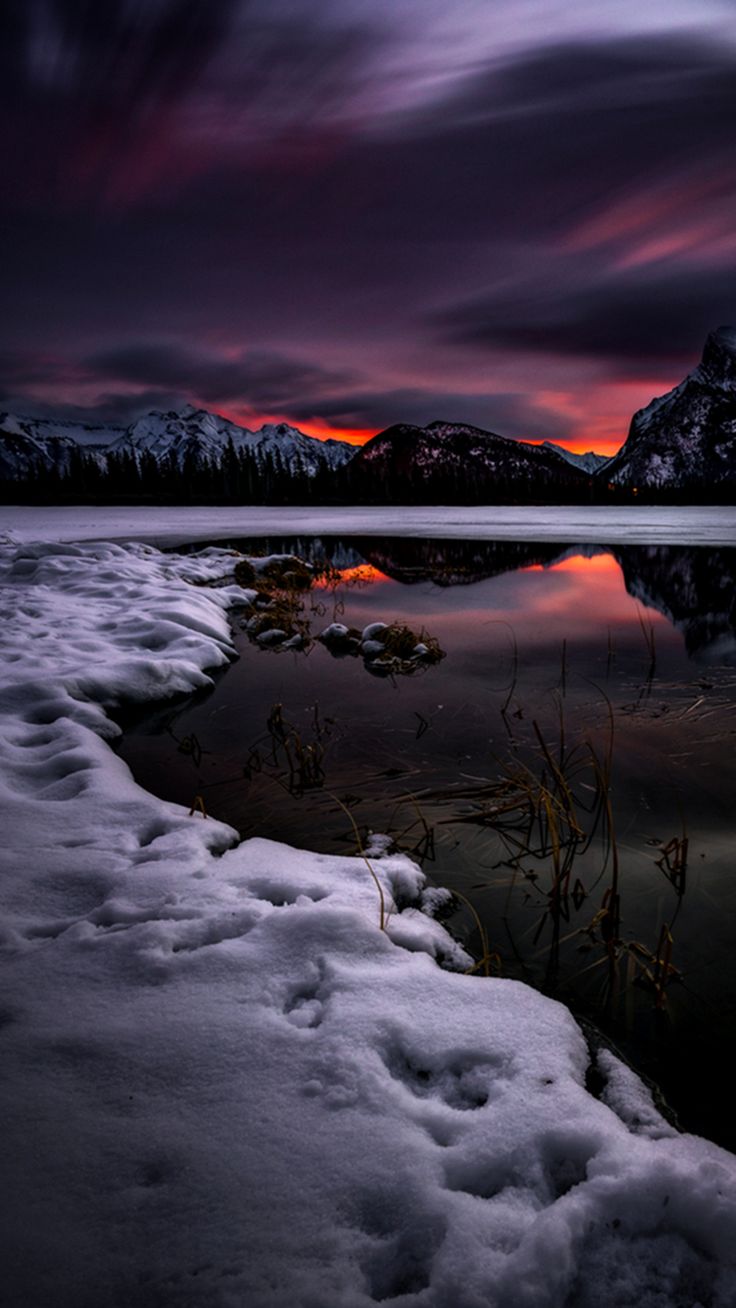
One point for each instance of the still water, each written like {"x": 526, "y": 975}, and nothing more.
{"x": 568, "y": 767}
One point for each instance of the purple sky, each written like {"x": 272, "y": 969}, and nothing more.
{"x": 345, "y": 214}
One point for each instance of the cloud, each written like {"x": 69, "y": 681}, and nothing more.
{"x": 510, "y": 414}
{"x": 129, "y": 379}
{"x": 122, "y": 103}
{"x": 569, "y": 202}
{"x": 630, "y": 323}
{"x": 259, "y": 379}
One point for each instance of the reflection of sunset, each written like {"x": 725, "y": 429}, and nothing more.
{"x": 363, "y": 574}
{"x": 601, "y": 563}
{"x": 583, "y": 563}
{"x": 579, "y": 598}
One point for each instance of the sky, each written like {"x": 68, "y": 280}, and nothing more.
{"x": 349, "y": 213}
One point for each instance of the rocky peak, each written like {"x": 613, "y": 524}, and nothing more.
{"x": 718, "y": 365}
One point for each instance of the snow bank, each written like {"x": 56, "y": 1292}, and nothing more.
{"x": 225, "y": 1087}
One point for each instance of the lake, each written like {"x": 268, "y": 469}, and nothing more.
{"x": 567, "y": 767}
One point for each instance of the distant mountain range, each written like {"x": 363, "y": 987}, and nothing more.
{"x": 682, "y": 444}
{"x": 589, "y": 462}
{"x": 189, "y": 433}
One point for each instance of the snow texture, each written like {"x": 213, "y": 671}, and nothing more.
{"x": 225, "y": 1087}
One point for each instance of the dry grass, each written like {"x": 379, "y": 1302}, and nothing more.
{"x": 551, "y": 813}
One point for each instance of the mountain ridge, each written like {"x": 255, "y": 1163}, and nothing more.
{"x": 163, "y": 434}
{"x": 682, "y": 444}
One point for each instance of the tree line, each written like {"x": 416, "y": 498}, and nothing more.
{"x": 242, "y": 476}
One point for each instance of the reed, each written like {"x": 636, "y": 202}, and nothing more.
{"x": 382, "y": 914}
{"x": 550, "y": 809}
{"x": 647, "y": 631}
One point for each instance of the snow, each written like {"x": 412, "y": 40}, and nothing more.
{"x": 642, "y": 524}
{"x": 589, "y": 462}
{"x": 225, "y": 1086}
{"x": 42, "y": 430}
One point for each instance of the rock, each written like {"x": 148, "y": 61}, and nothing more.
{"x": 274, "y": 636}
{"x": 371, "y": 649}
{"x": 336, "y": 632}
{"x": 373, "y": 630}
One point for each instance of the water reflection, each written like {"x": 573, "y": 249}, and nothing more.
{"x": 695, "y": 589}
{"x": 692, "y": 587}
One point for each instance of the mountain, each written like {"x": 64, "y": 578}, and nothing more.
{"x": 449, "y": 462}
{"x": 589, "y": 462}
{"x": 686, "y": 440}
{"x": 187, "y": 434}
{"x": 195, "y": 432}
{"x": 27, "y": 442}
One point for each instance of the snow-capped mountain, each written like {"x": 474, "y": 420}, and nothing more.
{"x": 27, "y": 442}
{"x": 589, "y": 462}
{"x": 449, "y": 461}
{"x": 186, "y": 433}
{"x": 687, "y": 438}
{"x": 191, "y": 431}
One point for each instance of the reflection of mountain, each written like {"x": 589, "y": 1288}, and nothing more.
{"x": 695, "y": 587}
{"x": 408, "y": 560}
{"x": 453, "y": 562}
{"x": 314, "y": 549}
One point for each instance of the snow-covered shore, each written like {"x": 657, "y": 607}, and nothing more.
{"x": 224, "y": 1086}
{"x": 596, "y": 525}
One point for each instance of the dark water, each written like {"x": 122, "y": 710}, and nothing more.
{"x": 558, "y": 659}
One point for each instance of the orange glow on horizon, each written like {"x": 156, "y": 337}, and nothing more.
{"x": 359, "y": 435}
{"x": 352, "y": 435}
{"x": 603, "y": 432}
{"x": 317, "y": 427}
{"x": 583, "y": 444}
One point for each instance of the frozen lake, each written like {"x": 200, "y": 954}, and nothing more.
{"x": 695, "y": 525}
